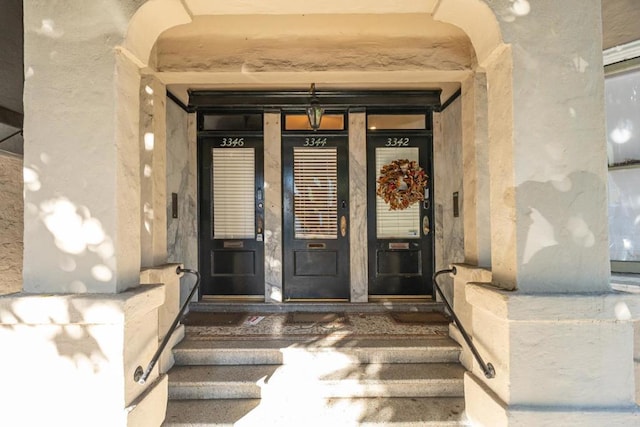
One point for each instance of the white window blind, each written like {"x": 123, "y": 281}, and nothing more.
{"x": 315, "y": 175}
{"x": 398, "y": 224}
{"x": 233, "y": 193}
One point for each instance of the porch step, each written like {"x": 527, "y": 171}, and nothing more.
{"x": 373, "y": 380}
{"x": 370, "y": 412}
{"x": 294, "y": 382}
{"x": 296, "y": 351}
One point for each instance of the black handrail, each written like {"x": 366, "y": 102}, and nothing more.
{"x": 487, "y": 368}
{"x": 141, "y": 376}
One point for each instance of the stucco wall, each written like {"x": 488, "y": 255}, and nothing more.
{"x": 11, "y": 223}
{"x": 620, "y": 22}
{"x": 182, "y": 232}
{"x": 448, "y": 173}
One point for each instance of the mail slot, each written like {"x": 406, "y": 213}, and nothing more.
{"x": 316, "y": 246}
{"x": 397, "y": 245}
{"x": 234, "y": 244}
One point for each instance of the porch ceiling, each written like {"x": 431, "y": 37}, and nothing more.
{"x": 372, "y": 51}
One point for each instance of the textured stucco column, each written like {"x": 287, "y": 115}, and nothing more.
{"x": 548, "y": 170}
{"x": 74, "y": 338}
{"x": 82, "y": 229}
{"x": 562, "y": 344}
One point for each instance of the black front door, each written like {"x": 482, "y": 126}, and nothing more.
{"x": 315, "y": 216}
{"x": 231, "y": 215}
{"x": 400, "y": 240}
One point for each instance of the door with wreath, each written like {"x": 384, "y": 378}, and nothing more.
{"x": 400, "y": 213}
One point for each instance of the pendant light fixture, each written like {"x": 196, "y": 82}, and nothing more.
{"x": 314, "y": 110}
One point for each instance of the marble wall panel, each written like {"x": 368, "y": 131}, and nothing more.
{"x": 273, "y": 208}
{"x": 358, "y": 206}
{"x": 448, "y": 179}
{"x": 182, "y": 232}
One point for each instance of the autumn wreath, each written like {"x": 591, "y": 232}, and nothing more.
{"x": 401, "y": 184}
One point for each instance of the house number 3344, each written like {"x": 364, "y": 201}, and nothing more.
{"x": 315, "y": 142}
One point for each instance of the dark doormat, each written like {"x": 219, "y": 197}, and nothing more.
{"x": 202, "y": 318}
{"x": 420, "y": 317}
{"x": 314, "y": 318}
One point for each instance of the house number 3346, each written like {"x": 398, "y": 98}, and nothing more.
{"x": 232, "y": 142}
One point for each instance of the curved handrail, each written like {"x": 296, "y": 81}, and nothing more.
{"x": 487, "y": 368}
{"x": 140, "y": 376}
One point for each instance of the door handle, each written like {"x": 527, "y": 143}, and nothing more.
{"x": 426, "y": 228}
{"x": 343, "y": 225}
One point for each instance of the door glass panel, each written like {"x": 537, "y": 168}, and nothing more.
{"x": 233, "y": 193}
{"x": 301, "y": 122}
{"x": 315, "y": 175}
{"x": 251, "y": 122}
{"x": 396, "y": 121}
{"x": 396, "y": 224}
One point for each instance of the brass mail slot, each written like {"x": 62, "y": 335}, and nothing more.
{"x": 398, "y": 245}
{"x": 234, "y": 244}
{"x": 316, "y": 246}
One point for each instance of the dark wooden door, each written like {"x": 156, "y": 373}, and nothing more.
{"x": 400, "y": 241}
{"x": 315, "y": 216}
{"x": 231, "y": 215}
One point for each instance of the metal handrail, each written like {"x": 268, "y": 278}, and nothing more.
{"x": 487, "y": 368}
{"x": 140, "y": 376}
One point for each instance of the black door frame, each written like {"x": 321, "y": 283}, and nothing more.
{"x": 224, "y": 282}
{"x": 420, "y": 250}
{"x": 315, "y": 285}
{"x": 238, "y": 100}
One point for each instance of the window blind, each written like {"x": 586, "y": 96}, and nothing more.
{"x": 233, "y": 193}
{"x": 315, "y": 174}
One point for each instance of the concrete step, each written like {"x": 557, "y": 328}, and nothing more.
{"x": 302, "y": 411}
{"x": 326, "y": 381}
{"x": 296, "y": 351}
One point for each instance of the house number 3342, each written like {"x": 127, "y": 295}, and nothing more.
{"x": 397, "y": 142}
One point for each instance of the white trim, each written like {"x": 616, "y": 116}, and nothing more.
{"x": 621, "y": 53}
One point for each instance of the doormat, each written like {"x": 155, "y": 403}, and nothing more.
{"x": 316, "y": 318}
{"x": 420, "y": 317}
{"x": 203, "y": 318}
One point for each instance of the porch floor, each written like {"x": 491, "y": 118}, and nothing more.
{"x": 337, "y": 324}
